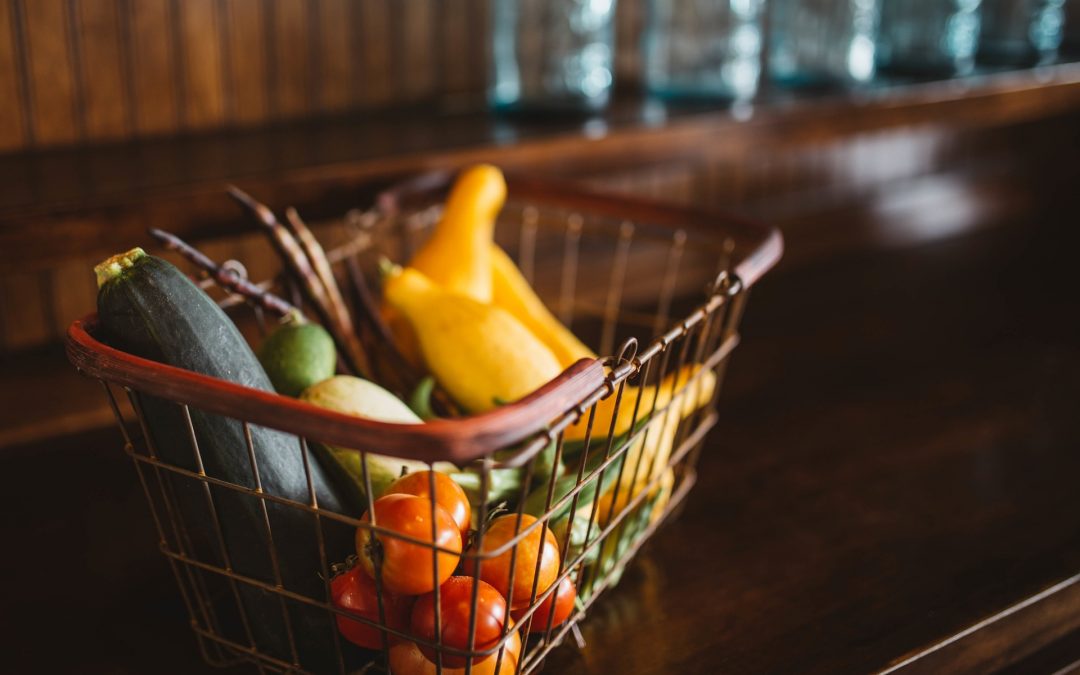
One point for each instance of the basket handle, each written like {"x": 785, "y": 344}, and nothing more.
{"x": 456, "y": 440}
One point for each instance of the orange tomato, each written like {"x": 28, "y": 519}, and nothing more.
{"x": 407, "y": 659}
{"x": 408, "y": 568}
{"x": 455, "y": 603}
{"x": 448, "y": 494}
{"x": 562, "y": 597}
{"x": 532, "y": 548}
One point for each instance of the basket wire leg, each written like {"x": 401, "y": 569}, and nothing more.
{"x": 196, "y": 580}
{"x": 215, "y": 517}
{"x": 320, "y": 539}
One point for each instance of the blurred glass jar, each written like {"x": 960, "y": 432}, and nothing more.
{"x": 552, "y": 54}
{"x": 822, "y": 42}
{"x": 928, "y": 37}
{"x": 1021, "y": 32}
{"x": 703, "y": 49}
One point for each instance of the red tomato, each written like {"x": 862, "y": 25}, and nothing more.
{"x": 407, "y": 568}
{"x": 455, "y": 608}
{"x": 448, "y": 494}
{"x": 355, "y": 591}
{"x": 562, "y": 597}
{"x": 407, "y": 659}
{"x": 496, "y": 571}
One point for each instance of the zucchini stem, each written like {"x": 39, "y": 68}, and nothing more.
{"x": 114, "y": 266}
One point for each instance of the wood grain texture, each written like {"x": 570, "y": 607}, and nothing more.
{"x": 378, "y": 51}
{"x": 52, "y": 70}
{"x": 13, "y": 132}
{"x": 202, "y": 84}
{"x": 106, "y": 98}
{"x": 292, "y": 86}
{"x": 155, "y": 67}
{"x": 247, "y": 78}
{"x": 417, "y": 65}
{"x": 24, "y": 312}
{"x": 337, "y": 69}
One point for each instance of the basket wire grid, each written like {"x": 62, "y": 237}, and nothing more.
{"x": 604, "y": 294}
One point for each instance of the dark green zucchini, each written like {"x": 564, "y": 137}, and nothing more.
{"x": 149, "y": 308}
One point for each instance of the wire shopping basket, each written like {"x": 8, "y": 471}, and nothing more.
{"x": 595, "y": 460}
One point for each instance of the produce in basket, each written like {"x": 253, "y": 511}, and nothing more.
{"x": 448, "y": 494}
{"x": 457, "y": 255}
{"x": 512, "y": 292}
{"x": 362, "y": 398}
{"x": 456, "y": 616}
{"x": 658, "y": 397}
{"x": 355, "y": 591}
{"x": 405, "y": 567}
{"x": 534, "y": 559}
{"x": 562, "y": 599}
{"x": 407, "y": 659}
{"x": 479, "y": 353}
{"x": 297, "y": 355}
{"x": 149, "y": 308}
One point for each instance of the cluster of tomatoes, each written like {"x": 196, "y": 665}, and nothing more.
{"x": 410, "y": 573}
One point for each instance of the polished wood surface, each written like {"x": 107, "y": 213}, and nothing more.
{"x": 894, "y": 464}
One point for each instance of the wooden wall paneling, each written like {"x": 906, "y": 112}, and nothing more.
{"x": 375, "y": 36}
{"x": 478, "y": 32}
{"x": 72, "y": 293}
{"x": 25, "y": 320}
{"x": 102, "y": 73}
{"x": 417, "y": 65}
{"x": 454, "y": 56}
{"x": 155, "y": 67}
{"x": 50, "y": 67}
{"x": 337, "y": 72}
{"x": 13, "y": 130}
{"x": 200, "y": 52}
{"x": 293, "y": 86}
{"x": 247, "y": 82}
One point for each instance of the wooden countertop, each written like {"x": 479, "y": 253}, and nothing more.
{"x": 895, "y": 464}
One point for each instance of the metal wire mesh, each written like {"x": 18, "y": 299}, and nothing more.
{"x": 629, "y": 447}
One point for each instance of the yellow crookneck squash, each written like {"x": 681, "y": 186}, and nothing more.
{"x": 480, "y": 354}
